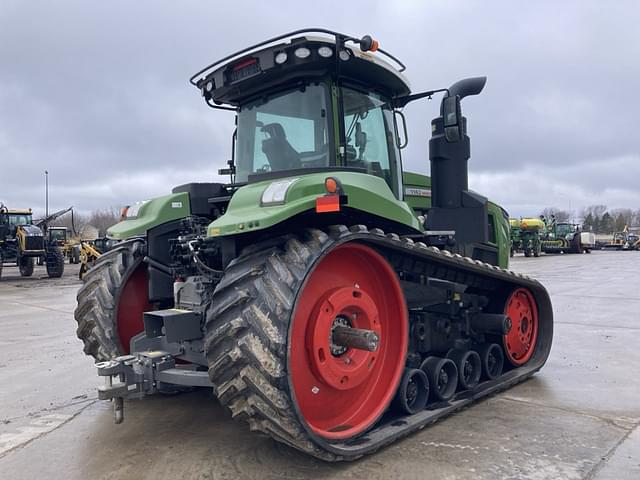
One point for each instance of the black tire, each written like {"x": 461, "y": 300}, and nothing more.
{"x": 246, "y": 335}
{"x": 527, "y": 252}
{"x": 26, "y": 265}
{"x": 55, "y": 262}
{"x": 98, "y": 297}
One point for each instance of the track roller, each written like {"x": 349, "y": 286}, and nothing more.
{"x": 469, "y": 367}
{"x": 413, "y": 392}
{"x": 443, "y": 376}
{"x": 492, "y": 360}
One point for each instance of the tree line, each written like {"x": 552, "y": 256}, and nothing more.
{"x": 100, "y": 219}
{"x": 598, "y": 218}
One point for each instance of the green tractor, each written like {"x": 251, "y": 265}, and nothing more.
{"x": 330, "y": 300}
{"x": 532, "y": 232}
{"x": 23, "y": 242}
{"x": 515, "y": 235}
{"x": 564, "y": 237}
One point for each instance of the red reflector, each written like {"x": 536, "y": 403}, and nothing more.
{"x": 244, "y": 63}
{"x": 328, "y": 203}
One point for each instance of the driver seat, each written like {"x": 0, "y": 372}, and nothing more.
{"x": 279, "y": 152}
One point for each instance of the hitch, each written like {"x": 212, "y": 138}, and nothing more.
{"x": 145, "y": 373}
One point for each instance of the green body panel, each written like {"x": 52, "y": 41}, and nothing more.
{"x": 151, "y": 214}
{"x": 417, "y": 191}
{"x": 502, "y": 233}
{"x": 364, "y": 192}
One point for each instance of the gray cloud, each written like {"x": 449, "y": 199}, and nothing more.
{"x": 97, "y": 93}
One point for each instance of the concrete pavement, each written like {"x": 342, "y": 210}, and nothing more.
{"x": 577, "y": 418}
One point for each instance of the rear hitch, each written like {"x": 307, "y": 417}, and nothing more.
{"x": 145, "y": 373}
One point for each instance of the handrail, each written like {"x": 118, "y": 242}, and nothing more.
{"x": 288, "y": 35}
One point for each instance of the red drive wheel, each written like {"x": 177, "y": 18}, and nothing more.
{"x": 520, "y": 342}
{"x": 132, "y": 303}
{"x": 340, "y": 390}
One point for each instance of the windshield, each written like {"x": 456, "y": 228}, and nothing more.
{"x": 19, "y": 219}
{"x": 368, "y": 125}
{"x": 57, "y": 234}
{"x": 287, "y": 131}
{"x": 563, "y": 229}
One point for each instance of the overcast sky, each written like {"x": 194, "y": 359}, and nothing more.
{"x": 97, "y": 93}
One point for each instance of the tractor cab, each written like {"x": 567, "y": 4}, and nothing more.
{"x": 10, "y": 220}
{"x": 317, "y": 101}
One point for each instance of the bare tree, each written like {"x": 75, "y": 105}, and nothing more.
{"x": 103, "y": 219}
{"x": 561, "y": 215}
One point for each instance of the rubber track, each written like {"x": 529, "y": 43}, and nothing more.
{"x": 248, "y": 323}
{"x": 98, "y": 296}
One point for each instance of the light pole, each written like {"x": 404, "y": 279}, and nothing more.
{"x": 46, "y": 192}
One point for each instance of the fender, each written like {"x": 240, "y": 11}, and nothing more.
{"x": 247, "y": 212}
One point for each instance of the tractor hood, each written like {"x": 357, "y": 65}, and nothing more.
{"x": 31, "y": 230}
{"x": 261, "y": 205}
{"x": 146, "y": 215}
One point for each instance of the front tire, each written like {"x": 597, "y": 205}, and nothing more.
{"x": 26, "y": 265}
{"x": 55, "y": 262}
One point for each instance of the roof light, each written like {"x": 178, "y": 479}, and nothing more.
{"x": 368, "y": 44}
{"x": 325, "y": 52}
{"x": 344, "y": 55}
{"x": 302, "y": 52}
{"x": 209, "y": 86}
{"x": 276, "y": 192}
{"x": 281, "y": 58}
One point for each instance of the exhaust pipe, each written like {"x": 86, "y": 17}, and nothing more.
{"x": 454, "y": 206}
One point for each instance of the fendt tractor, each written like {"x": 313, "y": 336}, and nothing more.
{"x": 23, "y": 242}
{"x": 564, "y": 237}
{"x": 319, "y": 305}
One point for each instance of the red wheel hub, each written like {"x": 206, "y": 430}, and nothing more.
{"x": 342, "y": 391}
{"x": 132, "y": 303}
{"x": 520, "y": 342}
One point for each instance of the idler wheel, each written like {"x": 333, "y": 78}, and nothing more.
{"x": 443, "y": 376}
{"x": 413, "y": 392}
{"x": 492, "y": 360}
{"x": 469, "y": 367}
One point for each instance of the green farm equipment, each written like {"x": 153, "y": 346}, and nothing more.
{"x": 330, "y": 300}
{"x": 564, "y": 237}
{"x": 516, "y": 236}
{"x": 532, "y": 231}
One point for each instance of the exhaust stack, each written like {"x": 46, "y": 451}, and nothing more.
{"x": 454, "y": 206}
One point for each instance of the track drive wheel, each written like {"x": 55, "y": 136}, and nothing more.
{"x": 275, "y": 339}
{"x": 520, "y": 342}
{"x": 112, "y": 300}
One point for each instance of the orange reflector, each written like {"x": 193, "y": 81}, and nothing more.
{"x": 328, "y": 203}
{"x": 374, "y": 46}
{"x": 331, "y": 185}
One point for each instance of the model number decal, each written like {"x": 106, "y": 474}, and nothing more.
{"x": 417, "y": 192}
{"x": 176, "y": 204}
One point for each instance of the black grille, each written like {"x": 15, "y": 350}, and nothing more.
{"x": 33, "y": 243}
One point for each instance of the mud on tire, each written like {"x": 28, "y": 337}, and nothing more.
{"x": 98, "y": 297}
{"x": 246, "y": 336}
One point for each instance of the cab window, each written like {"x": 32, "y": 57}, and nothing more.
{"x": 368, "y": 126}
